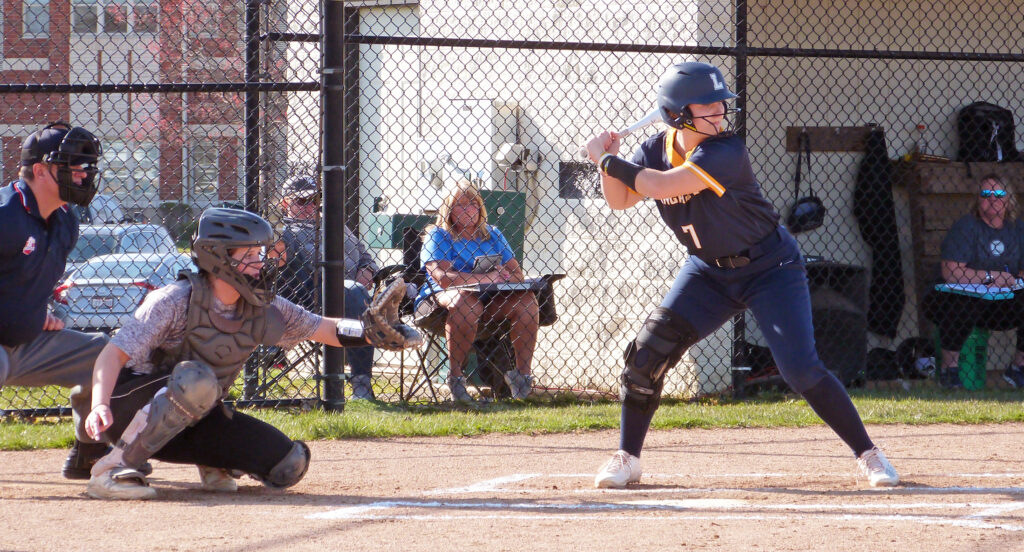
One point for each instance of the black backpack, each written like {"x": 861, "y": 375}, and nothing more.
{"x": 986, "y": 134}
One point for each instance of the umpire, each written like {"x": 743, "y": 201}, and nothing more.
{"x": 37, "y": 231}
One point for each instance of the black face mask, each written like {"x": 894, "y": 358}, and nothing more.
{"x": 78, "y": 148}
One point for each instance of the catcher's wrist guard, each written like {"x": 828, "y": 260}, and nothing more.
{"x": 617, "y": 167}
{"x": 350, "y": 333}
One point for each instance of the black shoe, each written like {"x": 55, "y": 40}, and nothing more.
{"x": 949, "y": 378}
{"x": 1014, "y": 375}
{"x": 82, "y": 456}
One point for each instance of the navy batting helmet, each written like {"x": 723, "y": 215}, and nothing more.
{"x": 64, "y": 146}
{"x": 689, "y": 83}
{"x": 221, "y": 231}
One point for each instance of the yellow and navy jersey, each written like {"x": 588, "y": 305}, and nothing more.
{"x": 730, "y": 214}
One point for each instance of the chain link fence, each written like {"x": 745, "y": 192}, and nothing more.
{"x": 224, "y": 105}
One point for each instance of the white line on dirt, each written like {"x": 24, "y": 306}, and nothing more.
{"x": 486, "y": 486}
{"x": 675, "y": 510}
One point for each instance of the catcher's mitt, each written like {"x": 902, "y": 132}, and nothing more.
{"x": 380, "y": 321}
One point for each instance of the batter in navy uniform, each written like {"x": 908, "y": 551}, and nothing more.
{"x": 740, "y": 258}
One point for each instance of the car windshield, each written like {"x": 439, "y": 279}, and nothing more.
{"x": 138, "y": 242}
{"x": 91, "y": 245}
{"x": 136, "y": 268}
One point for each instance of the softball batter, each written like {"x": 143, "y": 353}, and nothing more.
{"x": 740, "y": 257}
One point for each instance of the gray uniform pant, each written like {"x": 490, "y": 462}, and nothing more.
{"x": 64, "y": 358}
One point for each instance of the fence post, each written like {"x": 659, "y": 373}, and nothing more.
{"x": 333, "y": 136}
{"x": 250, "y": 377}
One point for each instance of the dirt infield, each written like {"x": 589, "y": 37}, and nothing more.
{"x": 743, "y": 489}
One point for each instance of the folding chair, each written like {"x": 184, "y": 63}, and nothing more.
{"x": 493, "y": 346}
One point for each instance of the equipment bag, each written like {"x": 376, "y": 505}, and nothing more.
{"x": 986, "y": 134}
{"x": 808, "y": 212}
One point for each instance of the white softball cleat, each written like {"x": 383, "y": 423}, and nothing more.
{"x": 877, "y": 468}
{"x": 217, "y": 480}
{"x": 622, "y": 469}
{"x": 120, "y": 484}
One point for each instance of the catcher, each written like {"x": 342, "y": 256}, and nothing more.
{"x": 158, "y": 385}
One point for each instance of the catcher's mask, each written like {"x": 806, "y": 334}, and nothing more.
{"x": 70, "y": 149}
{"x": 222, "y": 231}
{"x": 685, "y": 84}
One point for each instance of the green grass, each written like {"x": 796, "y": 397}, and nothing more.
{"x": 566, "y": 414}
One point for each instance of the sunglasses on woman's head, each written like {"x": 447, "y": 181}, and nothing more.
{"x": 993, "y": 193}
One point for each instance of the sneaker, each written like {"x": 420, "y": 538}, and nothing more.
{"x": 622, "y": 469}
{"x": 217, "y": 480}
{"x": 362, "y": 389}
{"x": 520, "y": 385}
{"x": 1014, "y": 375}
{"x": 949, "y": 378}
{"x": 878, "y": 470}
{"x": 120, "y": 484}
{"x": 81, "y": 457}
{"x": 457, "y": 385}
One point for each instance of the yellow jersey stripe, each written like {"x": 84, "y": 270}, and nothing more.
{"x": 707, "y": 178}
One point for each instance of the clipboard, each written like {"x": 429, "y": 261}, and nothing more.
{"x": 486, "y": 263}
{"x": 980, "y": 291}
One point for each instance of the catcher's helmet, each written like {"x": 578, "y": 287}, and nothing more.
{"x": 64, "y": 146}
{"x": 222, "y": 230}
{"x": 689, "y": 83}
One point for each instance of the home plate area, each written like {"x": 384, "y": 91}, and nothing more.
{"x": 673, "y": 497}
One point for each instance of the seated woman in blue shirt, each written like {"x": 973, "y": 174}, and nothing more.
{"x": 450, "y": 249}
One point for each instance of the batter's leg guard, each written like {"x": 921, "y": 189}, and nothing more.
{"x": 191, "y": 392}
{"x": 289, "y": 470}
{"x": 659, "y": 346}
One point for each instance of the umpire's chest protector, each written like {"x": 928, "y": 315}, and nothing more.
{"x": 221, "y": 343}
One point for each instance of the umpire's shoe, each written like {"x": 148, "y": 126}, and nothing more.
{"x": 82, "y": 456}
{"x": 120, "y": 483}
{"x": 622, "y": 469}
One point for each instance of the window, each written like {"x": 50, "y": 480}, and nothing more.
{"x": 36, "y": 19}
{"x": 84, "y": 19}
{"x": 115, "y": 18}
{"x": 204, "y": 168}
{"x": 131, "y": 170}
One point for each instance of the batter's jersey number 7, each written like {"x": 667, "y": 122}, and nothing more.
{"x": 689, "y": 229}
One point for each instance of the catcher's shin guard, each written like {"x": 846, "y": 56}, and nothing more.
{"x": 192, "y": 390}
{"x": 289, "y": 470}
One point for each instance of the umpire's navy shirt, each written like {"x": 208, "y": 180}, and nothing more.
{"x": 33, "y": 254}
{"x": 725, "y": 218}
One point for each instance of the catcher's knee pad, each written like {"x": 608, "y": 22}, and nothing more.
{"x": 191, "y": 391}
{"x": 290, "y": 469}
{"x": 662, "y": 341}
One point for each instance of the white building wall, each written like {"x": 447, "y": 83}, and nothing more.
{"x": 620, "y": 263}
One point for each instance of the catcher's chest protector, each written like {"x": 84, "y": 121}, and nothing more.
{"x": 224, "y": 345}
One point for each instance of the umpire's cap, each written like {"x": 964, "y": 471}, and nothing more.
{"x": 65, "y": 146}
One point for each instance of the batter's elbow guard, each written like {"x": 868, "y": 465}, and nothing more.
{"x": 290, "y": 470}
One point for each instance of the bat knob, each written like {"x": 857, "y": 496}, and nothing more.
{"x": 582, "y": 153}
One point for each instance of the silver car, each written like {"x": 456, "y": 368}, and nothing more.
{"x": 128, "y": 238}
{"x": 103, "y": 293}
